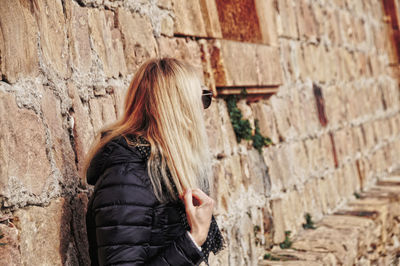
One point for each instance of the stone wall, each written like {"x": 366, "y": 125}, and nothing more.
{"x": 66, "y": 64}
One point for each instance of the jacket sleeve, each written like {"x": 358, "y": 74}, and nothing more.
{"x": 123, "y": 213}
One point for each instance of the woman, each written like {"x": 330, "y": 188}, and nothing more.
{"x": 151, "y": 170}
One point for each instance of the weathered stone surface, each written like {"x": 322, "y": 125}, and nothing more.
{"x": 102, "y": 112}
{"x": 82, "y": 127}
{"x": 61, "y": 147}
{"x": 9, "y": 245}
{"x": 78, "y": 31}
{"x": 18, "y": 41}
{"x": 213, "y": 126}
{"x": 44, "y": 233}
{"x": 137, "y": 37}
{"x": 239, "y": 20}
{"x": 306, "y": 20}
{"x": 211, "y": 19}
{"x": 23, "y": 159}
{"x": 266, "y": 120}
{"x": 53, "y": 40}
{"x": 258, "y": 67}
{"x": 267, "y": 14}
{"x": 287, "y": 26}
{"x": 184, "y": 49}
{"x": 107, "y": 42}
{"x": 188, "y": 20}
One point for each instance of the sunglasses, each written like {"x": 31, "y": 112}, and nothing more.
{"x": 206, "y": 98}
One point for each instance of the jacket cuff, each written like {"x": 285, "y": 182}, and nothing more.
{"x": 190, "y": 249}
{"x": 191, "y": 237}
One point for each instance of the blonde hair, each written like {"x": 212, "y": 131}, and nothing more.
{"x": 163, "y": 105}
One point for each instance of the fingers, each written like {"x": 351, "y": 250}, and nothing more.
{"x": 188, "y": 199}
{"x": 202, "y": 197}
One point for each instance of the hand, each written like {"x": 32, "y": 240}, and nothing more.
{"x": 199, "y": 217}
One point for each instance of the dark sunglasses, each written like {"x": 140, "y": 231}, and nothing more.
{"x": 206, "y": 98}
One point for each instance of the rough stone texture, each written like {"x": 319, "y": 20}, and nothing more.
{"x": 65, "y": 67}
{"x": 9, "y": 245}
{"x": 53, "y": 42}
{"x": 24, "y": 161}
{"x": 18, "y": 40}
{"x": 189, "y": 20}
{"x": 106, "y": 42}
{"x": 257, "y": 68}
{"x": 44, "y": 234}
{"x": 363, "y": 231}
{"x": 138, "y": 40}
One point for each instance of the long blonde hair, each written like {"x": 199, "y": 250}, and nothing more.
{"x": 163, "y": 105}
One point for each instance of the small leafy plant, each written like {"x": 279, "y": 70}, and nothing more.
{"x": 269, "y": 256}
{"x": 242, "y": 127}
{"x": 357, "y": 195}
{"x": 287, "y": 243}
{"x": 309, "y": 222}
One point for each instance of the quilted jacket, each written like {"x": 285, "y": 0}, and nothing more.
{"x": 126, "y": 224}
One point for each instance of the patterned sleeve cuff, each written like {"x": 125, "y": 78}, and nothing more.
{"x": 191, "y": 237}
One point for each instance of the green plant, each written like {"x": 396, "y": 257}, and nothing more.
{"x": 242, "y": 127}
{"x": 357, "y": 195}
{"x": 309, "y": 222}
{"x": 287, "y": 243}
{"x": 269, "y": 256}
{"x": 259, "y": 140}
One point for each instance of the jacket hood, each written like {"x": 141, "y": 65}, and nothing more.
{"x": 116, "y": 151}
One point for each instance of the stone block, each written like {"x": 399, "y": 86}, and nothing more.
{"x": 332, "y": 196}
{"x": 209, "y": 80}
{"x": 267, "y": 17}
{"x": 137, "y": 38}
{"x": 102, "y": 112}
{"x": 196, "y": 18}
{"x": 183, "y": 49}
{"x": 281, "y": 113}
{"x": 287, "y": 24}
{"x": 82, "y": 127}
{"x": 211, "y": 19}
{"x": 9, "y": 245}
{"x": 213, "y": 125}
{"x": 334, "y": 106}
{"x": 78, "y": 32}
{"x": 188, "y": 18}
{"x": 61, "y": 145}
{"x": 266, "y": 121}
{"x": 279, "y": 224}
{"x": 311, "y": 198}
{"x": 254, "y": 171}
{"x": 306, "y": 21}
{"x": 24, "y": 161}
{"x": 53, "y": 38}
{"x": 301, "y": 164}
{"x": 167, "y": 26}
{"x": 107, "y": 42}
{"x": 220, "y": 188}
{"x": 229, "y": 141}
{"x": 239, "y": 20}
{"x": 18, "y": 41}
{"x": 258, "y": 66}
{"x": 312, "y": 147}
{"x": 274, "y": 171}
{"x": 342, "y": 243}
{"x": 44, "y": 233}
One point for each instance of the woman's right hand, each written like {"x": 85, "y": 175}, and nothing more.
{"x": 199, "y": 216}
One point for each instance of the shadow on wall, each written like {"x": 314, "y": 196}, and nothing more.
{"x": 74, "y": 247}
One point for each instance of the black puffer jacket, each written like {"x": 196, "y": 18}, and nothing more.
{"x": 126, "y": 224}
